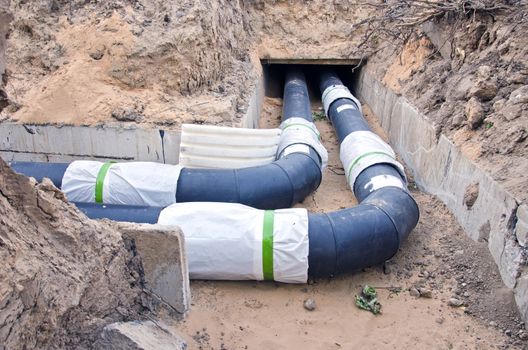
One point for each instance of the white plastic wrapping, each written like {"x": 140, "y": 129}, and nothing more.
{"x": 361, "y": 149}
{"x": 224, "y": 241}
{"x": 135, "y": 183}
{"x": 207, "y": 146}
{"x": 334, "y": 92}
{"x": 299, "y": 131}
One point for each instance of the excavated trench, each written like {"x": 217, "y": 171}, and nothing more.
{"x": 416, "y": 267}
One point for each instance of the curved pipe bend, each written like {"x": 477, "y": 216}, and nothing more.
{"x": 281, "y": 184}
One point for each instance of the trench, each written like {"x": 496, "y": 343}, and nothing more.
{"x": 435, "y": 163}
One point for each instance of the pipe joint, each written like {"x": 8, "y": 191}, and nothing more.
{"x": 335, "y": 92}
{"x": 298, "y": 135}
{"x": 362, "y": 149}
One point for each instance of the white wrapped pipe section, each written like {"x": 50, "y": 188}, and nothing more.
{"x": 135, "y": 183}
{"x": 208, "y": 146}
{"x": 229, "y": 241}
{"x": 361, "y": 149}
{"x": 335, "y": 92}
{"x": 297, "y": 132}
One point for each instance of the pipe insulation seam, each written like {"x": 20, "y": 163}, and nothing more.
{"x": 300, "y": 131}
{"x": 362, "y": 149}
{"x": 136, "y": 183}
{"x": 335, "y": 92}
{"x": 230, "y": 241}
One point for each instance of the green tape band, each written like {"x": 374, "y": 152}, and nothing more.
{"x": 354, "y": 163}
{"x": 99, "y": 182}
{"x": 267, "y": 245}
{"x": 306, "y": 126}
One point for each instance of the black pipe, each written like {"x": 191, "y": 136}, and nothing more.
{"x": 345, "y": 120}
{"x": 296, "y": 102}
{"x": 371, "y": 232}
{"x": 280, "y": 184}
{"x": 116, "y": 212}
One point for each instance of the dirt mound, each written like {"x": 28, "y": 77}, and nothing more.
{"x": 64, "y": 277}
{"x": 467, "y": 73}
{"x": 77, "y": 62}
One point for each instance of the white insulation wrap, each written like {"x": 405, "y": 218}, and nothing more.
{"x": 361, "y": 149}
{"x": 224, "y": 241}
{"x": 298, "y": 131}
{"x": 135, "y": 183}
{"x": 335, "y": 92}
{"x": 207, "y": 146}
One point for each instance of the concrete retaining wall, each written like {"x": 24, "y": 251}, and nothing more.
{"x": 49, "y": 143}
{"x": 440, "y": 168}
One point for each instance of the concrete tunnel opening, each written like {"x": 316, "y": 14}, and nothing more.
{"x": 274, "y": 73}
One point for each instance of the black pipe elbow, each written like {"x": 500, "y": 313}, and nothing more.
{"x": 280, "y": 184}
{"x": 351, "y": 239}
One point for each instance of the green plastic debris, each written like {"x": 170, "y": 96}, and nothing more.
{"x": 368, "y": 300}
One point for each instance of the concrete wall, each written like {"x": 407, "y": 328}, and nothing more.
{"x": 440, "y": 168}
{"x": 251, "y": 118}
{"x": 49, "y": 143}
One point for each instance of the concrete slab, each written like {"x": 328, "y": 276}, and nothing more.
{"x": 55, "y": 143}
{"x": 162, "y": 252}
{"x": 139, "y": 335}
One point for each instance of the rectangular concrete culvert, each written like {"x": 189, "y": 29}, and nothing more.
{"x": 161, "y": 250}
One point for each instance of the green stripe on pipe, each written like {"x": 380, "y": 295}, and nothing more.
{"x": 267, "y": 245}
{"x": 354, "y": 163}
{"x": 99, "y": 182}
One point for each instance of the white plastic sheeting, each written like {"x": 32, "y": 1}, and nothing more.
{"x": 361, "y": 149}
{"x": 298, "y": 131}
{"x": 224, "y": 241}
{"x": 206, "y": 146}
{"x": 335, "y": 92}
{"x": 135, "y": 183}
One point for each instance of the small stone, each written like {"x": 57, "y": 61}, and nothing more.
{"x": 132, "y": 113}
{"x": 474, "y": 113}
{"x": 498, "y": 105}
{"x": 309, "y": 304}
{"x": 439, "y": 320}
{"x": 512, "y": 111}
{"x": 523, "y": 335}
{"x": 484, "y": 90}
{"x": 454, "y": 302}
{"x": 519, "y": 96}
{"x": 387, "y": 268}
{"x": 466, "y": 294}
{"x": 484, "y": 71}
{"x": 425, "y": 293}
{"x": 458, "y": 120}
{"x": 493, "y": 324}
{"x": 516, "y": 78}
{"x": 97, "y": 52}
{"x": 508, "y": 332}
{"x": 414, "y": 292}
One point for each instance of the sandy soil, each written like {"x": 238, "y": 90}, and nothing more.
{"x": 437, "y": 256}
{"x": 63, "y": 277}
